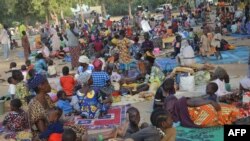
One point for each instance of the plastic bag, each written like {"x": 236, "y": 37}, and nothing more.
{"x": 187, "y": 83}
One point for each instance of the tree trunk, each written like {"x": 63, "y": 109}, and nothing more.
{"x": 104, "y": 12}
{"x": 62, "y": 14}
{"x": 26, "y": 20}
{"x": 130, "y": 9}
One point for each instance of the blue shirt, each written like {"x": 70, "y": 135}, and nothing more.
{"x": 55, "y": 127}
{"x": 65, "y": 106}
{"x": 90, "y": 68}
{"x": 41, "y": 66}
{"x": 100, "y": 79}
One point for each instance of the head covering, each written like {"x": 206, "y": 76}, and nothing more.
{"x": 84, "y": 77}
{"x": 97, "y": 64}
{"x": 35, "y": 81}
{"x": 83, "y": 59}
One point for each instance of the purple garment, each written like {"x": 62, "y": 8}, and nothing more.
{"x": 147, "y": 45}
{"x": 248, "y": 27}
{"x": 179, "y": 110}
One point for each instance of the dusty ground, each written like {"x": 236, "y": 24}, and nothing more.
{"x": 236, "y": 71}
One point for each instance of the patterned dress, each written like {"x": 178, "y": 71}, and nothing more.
{"x": 26, "y": 47}
{"x": 89, "y": 104}
{"x": 22, "y": 92}
{"x": 207, "y": 116}
{"x": 38, "y": 112}
{"x": 123, "y": 45}
{"x": 16, "y": 121}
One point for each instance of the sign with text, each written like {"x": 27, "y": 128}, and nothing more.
{"x": 236, "y": 132}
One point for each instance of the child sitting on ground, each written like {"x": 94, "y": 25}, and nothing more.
{"x": 134, "y": 120}
{"x": 12, "y": 87}
{"x": 67, "y": 82}
{"x": 63, "y": 103}
{"x": 12, "y": 67}
{"x": 55, "y": 127}
{"x": 51, "y": 69}
{"x": 16, "y": 119}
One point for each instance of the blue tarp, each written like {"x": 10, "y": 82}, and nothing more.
{"x": 238, "y": 55}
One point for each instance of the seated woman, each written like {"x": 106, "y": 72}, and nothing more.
{"x": 87, "y": 98}
{"x": 16, "y": 119}
{"x": 40, "y": 104}
{"x": 189, "y": 111}
{"x": 167, "y": 88}
{"x": 100, "y": 78}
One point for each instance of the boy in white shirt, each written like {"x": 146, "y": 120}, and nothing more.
{"x": 12, "y": 88}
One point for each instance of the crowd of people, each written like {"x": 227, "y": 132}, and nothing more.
{"x": 110, "y": 57}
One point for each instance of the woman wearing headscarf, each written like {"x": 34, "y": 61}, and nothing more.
{"x": 40, "y": 104}
{"x": 86, "y": 101}
{"x": 73, "y": 44}
{"x": 101, "y": 83}
{"x": 100, "y": 78}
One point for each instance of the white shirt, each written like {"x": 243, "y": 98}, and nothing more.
{"x": 187, "y": 56}
{"x": 221, "y": 88}
{"x": 145, "y": 26}
{"x": 12, "y": 89}
{"x": 25, "y": 75}
{"x": 4, "y": 37}
{"x": 52, "y": 70}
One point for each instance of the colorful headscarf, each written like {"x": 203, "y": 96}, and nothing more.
{"x": 35, "y": 81}
{"x": 84, "y": 77}
{"x": 97, "y": 63}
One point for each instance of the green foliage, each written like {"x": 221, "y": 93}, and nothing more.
{"x": 35, "y": 10}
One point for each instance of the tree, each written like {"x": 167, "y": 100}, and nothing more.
{"x": 25, "y": 9}
{"x": 130, "y": 9}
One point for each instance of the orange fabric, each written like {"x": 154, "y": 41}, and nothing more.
{"x": 111, "y": 60}
{"x": 141, "y": 67}
{"x": 55, "y": 137}
{"x": 207, "y": 116}
{"x": 68, "y": 84}
{"x": 129, "y": 32}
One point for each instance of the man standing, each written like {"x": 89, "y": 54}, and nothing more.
{"x": 5, "y": 41}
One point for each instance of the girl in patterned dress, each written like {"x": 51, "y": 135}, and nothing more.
{"x": 16, "y": 119}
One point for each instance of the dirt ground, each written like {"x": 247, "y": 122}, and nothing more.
{"x": 236, "y": 72}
